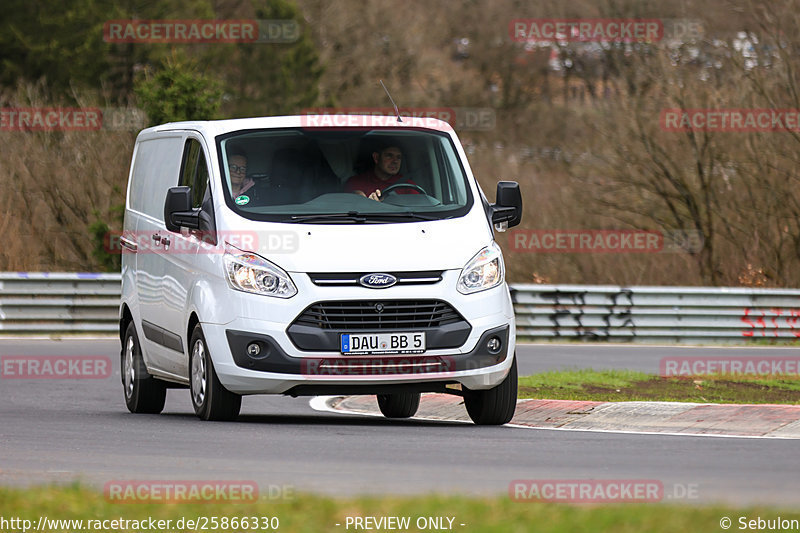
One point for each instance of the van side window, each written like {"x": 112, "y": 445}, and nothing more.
{"x": 194, "y": 171}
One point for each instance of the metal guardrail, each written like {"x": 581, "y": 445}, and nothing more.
{"x": 656, "y": 314}
{"x": 36, "y": 303}
{"x": 56, "y": 303}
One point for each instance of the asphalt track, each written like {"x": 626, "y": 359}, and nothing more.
{"x": 54, "y": 430}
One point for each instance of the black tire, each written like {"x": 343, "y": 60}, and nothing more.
{"x": 211, "y": 400}
{"x": 143, "y": 393}
{"x": 493, "y": 407}
{"x": 400, "y": 405}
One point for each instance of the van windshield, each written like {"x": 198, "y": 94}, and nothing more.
{"x": 343, "y": 176}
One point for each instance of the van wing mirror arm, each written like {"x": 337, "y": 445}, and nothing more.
{"x": 178, "y": 210}
{"x": 502, "y": 213}
{"x": 185, "y": 219}
{"x": 506, "y": 212}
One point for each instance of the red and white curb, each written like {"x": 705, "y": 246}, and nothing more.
{"x": 648, "y": 418}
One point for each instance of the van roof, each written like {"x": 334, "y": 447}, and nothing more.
{"x": 331, "y": 121}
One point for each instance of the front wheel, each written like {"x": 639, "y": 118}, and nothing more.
{"x": 211, "y": 400}
{"x": 143, "y": 393}
{"x": 400, "y": 405}
{"x": 493, "y": 407}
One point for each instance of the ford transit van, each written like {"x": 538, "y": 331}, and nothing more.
{"x": 314, "y": 255}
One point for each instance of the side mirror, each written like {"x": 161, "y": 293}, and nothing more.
{"x": 178, "y": 210}
{"x": 507, "y": 209}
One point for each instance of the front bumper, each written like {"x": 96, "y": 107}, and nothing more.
{"x": 274, "y": 371}
{"x": 272, "y": 358}
{"x": 282, "y": 366}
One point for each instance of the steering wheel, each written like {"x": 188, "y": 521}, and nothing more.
{"x": 402, "y": 186}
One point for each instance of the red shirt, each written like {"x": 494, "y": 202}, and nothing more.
{"x": 368, "y": 182}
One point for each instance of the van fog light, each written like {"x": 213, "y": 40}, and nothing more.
{"x": 493, "y": 345}
{"x": 253, "y": 349}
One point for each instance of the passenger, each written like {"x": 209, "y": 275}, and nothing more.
{"x": 237, "y": 165}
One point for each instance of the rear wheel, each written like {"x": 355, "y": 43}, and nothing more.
{"x": 143, "y": 393}
{"x": 400, "y": 405}
{"x": 495, "y": 406}
{"x": 211, "y": 400}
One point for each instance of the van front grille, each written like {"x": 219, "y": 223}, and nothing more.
{"x": 341, "y": 279}
{"x": 376, "y": 315}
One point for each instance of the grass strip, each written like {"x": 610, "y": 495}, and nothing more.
{"x": 308, "y": 513}
{"x": 627, "y": 385}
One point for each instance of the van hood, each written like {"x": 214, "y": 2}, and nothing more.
{"x": 411, "y": 246}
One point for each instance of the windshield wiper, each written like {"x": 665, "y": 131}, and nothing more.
{"x": 353, "y": 216}
{"x": 413, "y": 216}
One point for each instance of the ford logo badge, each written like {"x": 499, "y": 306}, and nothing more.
{"x": 377, "y": 281}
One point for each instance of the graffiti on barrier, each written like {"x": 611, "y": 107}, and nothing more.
{"x": 569, "y": 308}
{"x": 770, "y": 321}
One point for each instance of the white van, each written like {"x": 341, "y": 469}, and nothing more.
{"x": 254, "y": 263}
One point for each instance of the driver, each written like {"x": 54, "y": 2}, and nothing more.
{"x": 385, "y": 174}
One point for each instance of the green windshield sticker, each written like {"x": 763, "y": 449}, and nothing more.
{"x": 242, "y": 200}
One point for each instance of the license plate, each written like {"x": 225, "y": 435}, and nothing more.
{"x": 383, "y": 343}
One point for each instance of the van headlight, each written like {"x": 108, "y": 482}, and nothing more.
{"x": 249, "y": 272}
{"x": 484, "y": 271}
